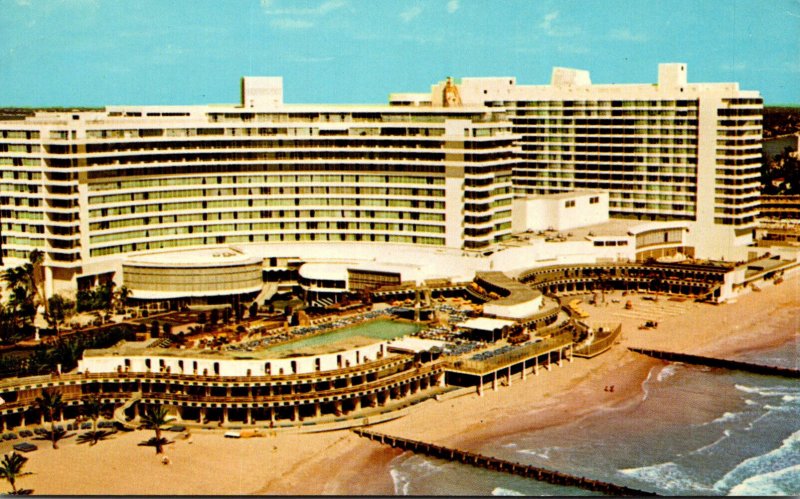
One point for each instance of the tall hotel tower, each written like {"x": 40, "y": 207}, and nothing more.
{"x": 664, "y": 152}
{"x": 436, "y": 170}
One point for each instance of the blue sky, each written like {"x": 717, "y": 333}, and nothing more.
{"x": 106, "y": 52}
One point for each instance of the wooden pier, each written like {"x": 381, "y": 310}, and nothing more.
{"x": 686, "y": 358}
{"x": 495, "y": 464}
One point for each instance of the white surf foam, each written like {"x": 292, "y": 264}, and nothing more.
{"x": 644, "y": 384}
{"x": 785, "y": 482}
{"x": 725, "y": 435}
{"x": 540, "y": 453}
{"x": 401, "y": 482}
{"x": 500, "y": 491}
{"x": 726, "y": 417}
{"x": 667, "y": 476}
{"x": 785, "y": 456}
{"x": 766, "y": 391}
{"x": 667, "y": 372}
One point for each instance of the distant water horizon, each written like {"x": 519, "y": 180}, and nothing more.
{"x": 694, "y": 431}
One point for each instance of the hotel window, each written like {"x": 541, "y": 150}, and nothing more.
{"x": 569, "y": 204}
{"x": 594, "y": 200}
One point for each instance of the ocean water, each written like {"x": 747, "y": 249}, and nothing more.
{"x": 693, "y": 431}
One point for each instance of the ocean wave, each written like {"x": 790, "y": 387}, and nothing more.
{"x": 780, "y": 408}
{"x": 750, "y": 402}
{"x": 728, "y": 416}
{"x": 644, "y": 384}
{"x": 500, "y": 491}
{"x": 405, "y": 467}
{"x": 785, "y": 456}
{"x": 401, "y": 482}
{"x": 667, "y": 476}
{"x": 667, "y": 372}
{"x": 784, "y": 482}
{"x": 725, "y": 435}
{"x": 423, "y": 467}
{"x": 543, "y": 453}
{"x": 769, "y": 391}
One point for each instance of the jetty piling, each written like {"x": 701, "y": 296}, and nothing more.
{"x": 501, "y": 465}
{"x": 700, "y": 360}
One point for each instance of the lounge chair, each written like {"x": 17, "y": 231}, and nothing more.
{"x": 25, "y": 447}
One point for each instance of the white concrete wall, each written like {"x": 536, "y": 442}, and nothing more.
{"x": 229, "y": 366}
{"x": 544, "y": 212}
{"x": 518, "y": 311}
{"x": 261, "y": 91}
{"x": 584, "y": 212}
{"x": 540, "y": 253}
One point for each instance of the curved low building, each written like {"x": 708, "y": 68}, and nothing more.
{"x": 199, "y": 273}
{"x": 518, "y": 300}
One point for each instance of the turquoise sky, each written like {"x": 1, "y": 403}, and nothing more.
{"x": 99, "y": 52}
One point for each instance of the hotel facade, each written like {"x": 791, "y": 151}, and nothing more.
{"x": 667, "y": 151}
{"x": 102, "y": 194}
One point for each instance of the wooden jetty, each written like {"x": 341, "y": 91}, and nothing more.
{"x": 495, "y": 464}
{"x": 715, "y": 362}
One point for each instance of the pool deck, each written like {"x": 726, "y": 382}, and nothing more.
{"x": 284, "y": 350}
{"x": 280, "y": 350}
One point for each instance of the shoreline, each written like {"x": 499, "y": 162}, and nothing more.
{"x": 341, "y": 463}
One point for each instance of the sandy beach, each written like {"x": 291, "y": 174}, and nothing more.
{"x": 340, "y": 463}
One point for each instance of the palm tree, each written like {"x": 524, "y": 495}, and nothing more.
{"x": 91, "y": 409}
{"x": 50, "y": 404}
{"x": 60, "y": 310}
{"x": 36, "y": 258}
{"x": 11, "y": 469}
{"x": 120, "y": 296}
{"x": 154, "y": 418}
{"x": 20, "y": 285}
{"x": 68, "y": 352}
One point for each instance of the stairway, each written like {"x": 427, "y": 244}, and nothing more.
{"x": 119, "y": 412}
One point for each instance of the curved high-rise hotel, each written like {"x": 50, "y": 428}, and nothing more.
{"x": 99, "y": 191}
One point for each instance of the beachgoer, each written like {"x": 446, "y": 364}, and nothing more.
{"x": 165, "y": 460}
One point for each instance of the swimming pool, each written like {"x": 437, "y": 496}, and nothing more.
{"x": 381, "y": 329}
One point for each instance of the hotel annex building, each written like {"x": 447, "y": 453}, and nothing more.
{"x": 436, "y": 174}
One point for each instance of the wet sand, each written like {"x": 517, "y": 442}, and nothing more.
{"x": 341, "y": 463}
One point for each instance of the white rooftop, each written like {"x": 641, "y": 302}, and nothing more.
{"x": 485, "y": 324}
{"x": 415, "y": 345}
{"x": 324, "y": 271}
{"x": 198, "y": 257}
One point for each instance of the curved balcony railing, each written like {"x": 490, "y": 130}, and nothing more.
{"x": 334, "y": 393}
{"x": 49, "y": 380}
